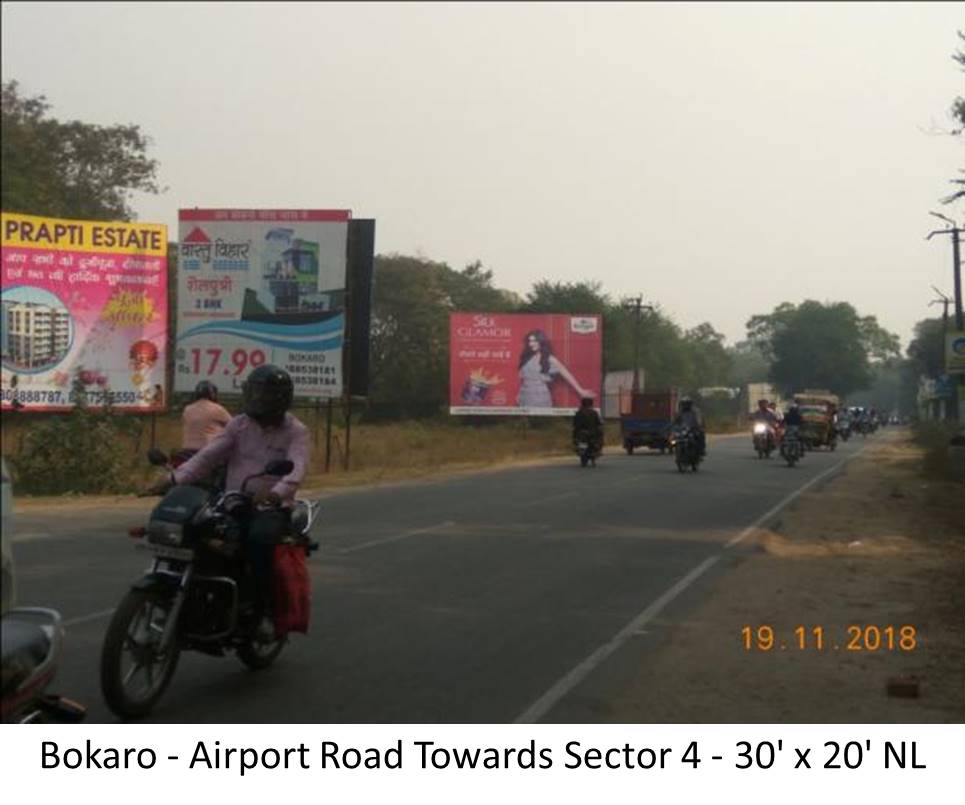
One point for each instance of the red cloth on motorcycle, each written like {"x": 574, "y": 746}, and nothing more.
{"x": 293, "y": 590}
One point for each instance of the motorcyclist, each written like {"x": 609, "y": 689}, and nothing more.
{"x": 587, "y": 419}
{"x": 768, "y": 417}
{"x": 201, "y": 421}
{"x": 265, "y": 432}
{"x": 689, "y": 418}
{"x": 793, "y": 421}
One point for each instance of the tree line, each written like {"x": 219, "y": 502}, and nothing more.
{"x": 78, "y": 170}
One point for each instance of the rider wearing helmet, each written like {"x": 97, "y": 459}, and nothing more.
{"x": 587, "y": 419}
{"x": 689, "y": 418}
{"x": 202, "y": 419}
{"x": 265, "y": 432}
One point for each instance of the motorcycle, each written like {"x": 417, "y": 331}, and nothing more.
{"x": 587, "y": 448}
{"x": 763, "y": 439}
{"x": 32, "y": 650}
{"x": 197, "y": 595}
{"x": 686, "y": 450}
{"x": 792, "y": 448}
{"x": 844, "y": 430}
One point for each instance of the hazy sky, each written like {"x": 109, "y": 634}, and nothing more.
{"x": 719, "y": 159}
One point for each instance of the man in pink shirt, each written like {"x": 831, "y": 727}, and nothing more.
{"x": 265, "y": 432}
{"x": 203, "y": 419}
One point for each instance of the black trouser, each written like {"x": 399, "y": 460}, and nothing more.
{"x": 265, "y": 530}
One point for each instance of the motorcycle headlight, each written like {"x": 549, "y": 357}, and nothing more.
{"x": 759, "y": 428}
{"x": 161, "y": 532}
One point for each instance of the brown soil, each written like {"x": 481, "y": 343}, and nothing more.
{"x": 875, "y": 546}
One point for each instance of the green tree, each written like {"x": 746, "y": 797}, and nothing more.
{"x": 409, "y": 352}
{"x": 69, "y": 169}
{"x": 815, "y": 345}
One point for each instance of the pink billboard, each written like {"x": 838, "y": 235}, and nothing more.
{"x": 533, "y": 364}
{"x": 84, "y": 307}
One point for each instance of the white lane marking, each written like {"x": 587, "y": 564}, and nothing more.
{"x": 386, "y": 540}
{"x": 87, "y": 618}
{"x": 548, "y": 700}
{"x": 545, "y": 703}
{"x": 793, "y": 496}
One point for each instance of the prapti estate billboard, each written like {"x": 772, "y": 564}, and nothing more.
{"x": 530, "y": 364}
{"x": 83, "y": 302}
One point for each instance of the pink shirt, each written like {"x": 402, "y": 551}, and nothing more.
{"x": 247, "y": 447}
{"x": 201, "y": 421}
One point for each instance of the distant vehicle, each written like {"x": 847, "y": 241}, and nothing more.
{"x": 646, "y": 419}
{"x": 686, "y": 449}
{"x": 816, "y": 407}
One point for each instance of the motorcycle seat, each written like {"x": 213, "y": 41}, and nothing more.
{"x": 25, "y": 646}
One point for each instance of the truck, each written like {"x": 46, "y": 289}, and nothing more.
{"x": 646, "y": 418}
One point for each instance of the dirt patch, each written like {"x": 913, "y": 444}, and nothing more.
{"x": 870, "y": 553}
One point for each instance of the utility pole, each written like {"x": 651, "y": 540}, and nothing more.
{"x": 944, "y": 301}
{"x": 955, "y": 231}
{"x": 636, "y": 306}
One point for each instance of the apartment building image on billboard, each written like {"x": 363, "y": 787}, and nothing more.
{"x": 36, "y": 335}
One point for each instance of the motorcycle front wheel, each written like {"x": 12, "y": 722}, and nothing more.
{"x": 259, "y": 656}
{"x": 134, "y": 671}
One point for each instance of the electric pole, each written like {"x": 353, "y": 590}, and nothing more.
{"x": 636, "y": 306}
{"x": 955, "y": 231}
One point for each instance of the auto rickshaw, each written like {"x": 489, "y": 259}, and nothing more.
{"x": 817, "y": 412}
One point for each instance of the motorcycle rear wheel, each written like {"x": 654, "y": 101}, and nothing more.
{"x": 133, "y": 634}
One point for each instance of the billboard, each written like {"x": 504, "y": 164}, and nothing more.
{"x": 532, "y": 364}
{"x": 261, "y": 286}
{"x": 955, "y": 353}
{"x": 83, "y": 302}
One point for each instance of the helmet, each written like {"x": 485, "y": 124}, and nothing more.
{"x": 267, "y": 393}
{"x": 206, "y": 390}
{"x": 586, "y": 402}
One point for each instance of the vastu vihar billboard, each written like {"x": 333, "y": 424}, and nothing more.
{"x": 261, "y": 286}
{"x": 525, "y": 364}
{"x": 84, "y": 313}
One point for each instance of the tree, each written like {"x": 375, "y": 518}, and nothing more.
{"x": 815, "y": 345}
{"x": 72, "y": 169}
{"x": 958, "y": 114}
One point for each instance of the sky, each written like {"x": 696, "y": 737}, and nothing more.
{"x": 717, "y": 159}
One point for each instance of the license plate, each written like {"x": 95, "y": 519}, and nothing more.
{"x": 166, "y": 551}
{"x": 583, "y": 446}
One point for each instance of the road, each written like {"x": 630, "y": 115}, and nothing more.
{"x": 524, "y": 594}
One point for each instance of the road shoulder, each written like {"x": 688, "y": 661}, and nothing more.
{"x": 874, "y": 546}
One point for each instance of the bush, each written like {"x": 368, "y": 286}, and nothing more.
{"x": 81, "y": 452}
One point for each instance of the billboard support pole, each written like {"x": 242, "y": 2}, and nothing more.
{"x": 153, "y": 429}
{"x": 328, "y": 437}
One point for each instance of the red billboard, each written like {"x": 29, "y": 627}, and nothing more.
{"x": 532, "y": 364}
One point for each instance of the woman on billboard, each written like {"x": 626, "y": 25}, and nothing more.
{"x": 538, "y": 369}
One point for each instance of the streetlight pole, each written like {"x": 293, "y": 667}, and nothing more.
{"x": 944, "y": 301}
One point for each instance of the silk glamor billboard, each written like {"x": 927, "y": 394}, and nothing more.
{"x": 261, "y": 286}
{"x": 532, "y": 364}
{"x": 84, "y": 306}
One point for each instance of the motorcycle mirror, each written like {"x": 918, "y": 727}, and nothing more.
{"x": 157, "y": 457}
{"x": 279, "y": 468}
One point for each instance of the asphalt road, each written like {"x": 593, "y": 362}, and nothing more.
{"x": 524, "y": 594}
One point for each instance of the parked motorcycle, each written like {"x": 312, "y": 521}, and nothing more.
{"x": 32, "y": 650}
{"x": 197, "y": 595}
{"x": 763, "y": 439}
{"x": 686, "y": 450}
{"x": 587, "y": 448}
{"x": 792, "y": 447}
